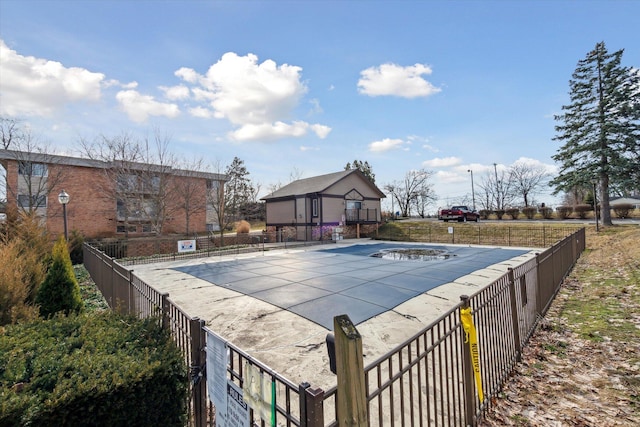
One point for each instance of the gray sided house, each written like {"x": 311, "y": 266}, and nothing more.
{"x": 322, "y": 207}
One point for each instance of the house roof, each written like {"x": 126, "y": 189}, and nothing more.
{"x": 24, "y": 156}
{"x": 317, "y": 184}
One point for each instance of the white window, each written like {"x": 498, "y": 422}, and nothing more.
{"x": 314, "y": 207}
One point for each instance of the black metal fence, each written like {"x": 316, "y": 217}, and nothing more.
{"x": 428, "y": 380}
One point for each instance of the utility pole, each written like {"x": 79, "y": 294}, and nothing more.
{"x": 473, "y": 192}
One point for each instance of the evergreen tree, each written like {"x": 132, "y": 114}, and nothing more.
{"x": 600, "y": 128}
{"x": 238, "y": 190}
{"x": 60, "y": 290}
{"x": 364, "y": 167}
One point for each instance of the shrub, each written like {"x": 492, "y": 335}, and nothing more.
{"x": 60, "y": 290}
{"x": 499, "y": 213}
{"x": 622, "y": 210}
{"x": 99, "y": 370}
{"x": 547, "y": 212}
{"x": 513, "y": 212}
{"x": 17, "y": 269}
{"x": 529, "y": 212}
{"x": 243, "y": 227}
{"x": 484, "y": 213}
{"x": 76, "y": 239}
{"x": 581, "y": 210}
{"x": 564, "y": 211}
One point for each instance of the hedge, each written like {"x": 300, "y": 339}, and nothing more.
{"x": 91, "y": 370}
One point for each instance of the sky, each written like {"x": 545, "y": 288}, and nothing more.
{"x": 301, "y": 88}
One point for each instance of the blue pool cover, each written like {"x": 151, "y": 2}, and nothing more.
{"x": 319, "y": 285}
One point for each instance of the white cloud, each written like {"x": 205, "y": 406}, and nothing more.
{"x": 277, "y": 130}
{"x": 548, "y": 168}
{"x": 34, "y": 86}
{"x": 443, "y": 162}
{"x": 258, "y": 98}
{"x": 307, "y": 148}
{"x": 139, "y": 107}
{"x": 187, "y": 74}
{"x": 201, "y": 112}
{"x": 386, "y": 144}
{"x": 449, "y": 177}
{"x": 175, "y": 93}
{"x": 394, "y": 80}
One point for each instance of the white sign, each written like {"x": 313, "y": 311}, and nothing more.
{"x": 237, "y": 408}
{"x": 450, "y": 230}
{"x": 186, "y": 245}
{"x": 257, "y": 392}
{"x": 217, "y": 361}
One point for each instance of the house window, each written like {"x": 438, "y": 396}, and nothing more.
{"x": 123, "y": 228}
{"x": 32, "y": 169}
{"x": 354, "y": 204}
{"x": 146, "y": 228}
{"x": 314, "y": 207}
{"x": 27, "y": 202}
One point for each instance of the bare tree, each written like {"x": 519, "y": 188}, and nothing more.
{"x": 39, "y": 173}
{"x": 190, "y": 196}
{"x": 122, "y": 185}
{"x": 527, "y": 179}
{"x": 219, "y": 203}
{"x": 409, "y": 191}
{"x": 11, "y": 132}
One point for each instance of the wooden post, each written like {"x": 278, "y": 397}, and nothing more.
{"x": 351, "y": 394}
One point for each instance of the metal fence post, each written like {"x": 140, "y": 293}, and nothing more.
{"x": 538, "y": 286}
{"x": 311, "y": 406}
{"x": 467, "y": 368}
{"x": 198, "y": 377}
{"x": 514, "y": 315}
{"x": 164, "y": 307}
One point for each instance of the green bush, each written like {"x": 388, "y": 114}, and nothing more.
{"x": 98, "y": 370}
{"x": 60, "y": 290}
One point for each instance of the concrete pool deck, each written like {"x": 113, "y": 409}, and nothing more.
{"x": 232, "y": 293}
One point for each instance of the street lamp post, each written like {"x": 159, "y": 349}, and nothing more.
{"x": 63, "y": 198}
{"x": 473, "y": 191}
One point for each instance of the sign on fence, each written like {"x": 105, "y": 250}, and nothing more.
{"x": 259, "y": 393}
{"x": 237, "y": 409}
{"x": 471, "y": 338}
{"x": 186, "y": 245}
{"x": 217, "y": 373}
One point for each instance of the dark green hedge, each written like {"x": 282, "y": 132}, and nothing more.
{"x": 91, "y": 370}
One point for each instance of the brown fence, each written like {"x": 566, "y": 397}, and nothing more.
{"x": 428, "y": 380}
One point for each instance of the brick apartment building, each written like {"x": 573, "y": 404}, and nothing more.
{"x": 111, "y": 199}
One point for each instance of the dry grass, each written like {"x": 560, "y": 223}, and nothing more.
{"x": 582, "y": 366}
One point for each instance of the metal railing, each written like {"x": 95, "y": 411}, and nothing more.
{"x": 424, "y": 381}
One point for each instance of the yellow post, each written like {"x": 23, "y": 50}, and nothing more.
{"x": 351, "y": 396}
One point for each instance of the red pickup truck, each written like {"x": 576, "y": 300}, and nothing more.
{"x": 458, "y": 213}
